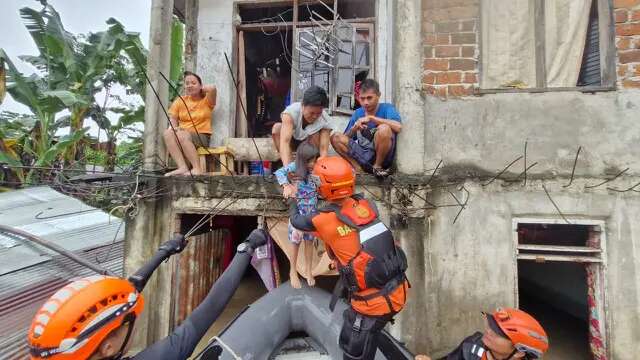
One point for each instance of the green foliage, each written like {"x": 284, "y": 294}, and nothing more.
{"x": 129, "y": 153}
{"x": 96, "y": 157}
{"x": 72, "y": 69}
{"x": 177, "y": 51}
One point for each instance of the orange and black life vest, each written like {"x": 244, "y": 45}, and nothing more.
{"x": 370, "y": 264}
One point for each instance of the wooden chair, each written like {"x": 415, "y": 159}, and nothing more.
{"x": 217, "y": 160}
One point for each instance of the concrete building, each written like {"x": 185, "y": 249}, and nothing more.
{"x": 517, "y": 179}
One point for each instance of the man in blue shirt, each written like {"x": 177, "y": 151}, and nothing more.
{"x": 369, "y": 141}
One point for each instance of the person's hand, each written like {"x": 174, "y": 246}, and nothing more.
{"x": 257, "y": 238}
{"x": 175, "y": 245}
{"x": 288, "y": 191}
{"x": 362, "y": 122}
{"x": 422, "y": 357}
{"x": 333, "y": 265}
{"x": 293, "y": 177}
{"x": 208, "y": 88}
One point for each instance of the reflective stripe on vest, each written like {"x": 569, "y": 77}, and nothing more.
{"x": 371, "y": 231}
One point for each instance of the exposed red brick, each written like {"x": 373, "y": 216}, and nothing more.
{"x": 453, "y": 77}
{"x": 429, "y": 27}
{"x": 635, "y": 15}
{"x": 470, "y": 78}
{"x": 625, "y": 3}
{"x": 447, "y": 51}
{"x": 468, "y": 25}
{"x": 636, "y": 70}
{"x": 628, "y": 29}
{"x": 429, "y": 78}
{"x": 460, "y": 90}
{"x": 442, "y": 39}
{"x": 631, "y": 84}
{"x": 623, "y": 43}
{"x": 436, "y": 64}
{"x": 430, "y": 90}
{"x": 629, "y": 56}
{"x": 621, "y": 15}
{"x": 441, "y": 91}
{"x": 447, "y": 27}
{"x": 430, "y": 39}
{"x": 463, "y": 38}
{"x": 452, "y": 13}
{"x": 622, "y": 70}
{"x": 462, "y": 64}
{"x": 428, "y": 51}
{"x": 635, "y": 44}
{"x": 468, "y": 51}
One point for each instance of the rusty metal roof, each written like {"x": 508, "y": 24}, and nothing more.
{"x": 29, "y": 275}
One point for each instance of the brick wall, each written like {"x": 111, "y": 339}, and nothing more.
{"x": 450, "y": 47}
{"x": 451, "y": 31}
{"x": 627, "y": 17}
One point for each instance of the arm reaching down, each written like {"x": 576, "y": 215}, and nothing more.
{"x": 181, "y": 343}
{"x": 173, "y": 246}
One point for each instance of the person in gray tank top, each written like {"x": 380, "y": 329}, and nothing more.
{"x": 302, "y": 121}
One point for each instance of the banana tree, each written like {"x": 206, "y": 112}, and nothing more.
{"x": 33, "y": 136}
{"x": 127, "y": 117}
{"x": 78, "y": 67}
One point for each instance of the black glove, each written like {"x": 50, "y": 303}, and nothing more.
{"x": 175, "y": 245}
{"x": 257, "y": 238}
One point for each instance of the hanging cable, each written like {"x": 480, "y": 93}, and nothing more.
{"x": 244, "y": 111}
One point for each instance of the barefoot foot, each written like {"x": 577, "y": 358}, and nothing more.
{"x": 178, "y": 171}
{"x": 311, "y": 281}
{"x": 295, "y": 280}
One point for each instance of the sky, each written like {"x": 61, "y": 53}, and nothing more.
{"x": 78, "y": 16}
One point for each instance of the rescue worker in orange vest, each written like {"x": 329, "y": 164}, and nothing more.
{"x": 509, "y": 334}
{"x": 372, "y": 267}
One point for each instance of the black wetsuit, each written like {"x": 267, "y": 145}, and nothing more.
{"x": 470, "y": 348}
{"x": 181, "y": 343}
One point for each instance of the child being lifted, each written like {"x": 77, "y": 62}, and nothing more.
{"x": 305, "y": 192}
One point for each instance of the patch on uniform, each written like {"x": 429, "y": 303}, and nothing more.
{"x": 344, "y": 230}
{"x": 362, "y": 212}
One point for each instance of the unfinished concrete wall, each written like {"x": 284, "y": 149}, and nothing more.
{"x": 216, "y": 35}
{"x": 484, "y": 134}
{"x": 470, "y": 265}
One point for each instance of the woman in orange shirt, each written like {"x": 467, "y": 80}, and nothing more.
{"x": 192, "y": 120}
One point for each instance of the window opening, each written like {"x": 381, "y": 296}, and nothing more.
{"x": 559, "y": 282}
{"x": 546, "y": 45}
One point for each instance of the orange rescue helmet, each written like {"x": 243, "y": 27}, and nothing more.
{"x": 77, "y": 318}
{"x": 334, "y": 177}
{"x": 525, "y": 332}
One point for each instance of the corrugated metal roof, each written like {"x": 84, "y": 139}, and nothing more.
{"x": 55, "y": 217}
{"x": 29, "y": 274}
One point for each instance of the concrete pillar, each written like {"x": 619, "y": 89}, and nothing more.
{"x": 191, "y": 37}
{"x": 150, "y": 226}
{"x": 155, "y": 121}
{"x": 216, "y": 38}
{"x": 407, "y": 47}
{"x": 410, "y": 326}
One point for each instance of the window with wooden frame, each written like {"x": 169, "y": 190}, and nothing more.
{"x": 340, "y": 74}
{"x": 560, "y": 280}
{"x": 547, "y": 45}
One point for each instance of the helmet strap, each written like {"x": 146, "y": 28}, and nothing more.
{"x": 130, "y": 318}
